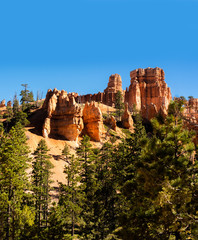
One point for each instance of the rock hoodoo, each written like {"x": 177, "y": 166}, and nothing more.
{"x": 111, "y": 122}
{"x": 9, "y": 104}
{"x": 191, "y": 116}
{"x": 108, "y": 96}
{"x": 148, "y": 92}
{"x": 2, "y": 103}
{"x": 64, "y": 116}
{"x": 114, "y": 85}
{"x": 93, "y": 124}
{"x": 127, "y": 121}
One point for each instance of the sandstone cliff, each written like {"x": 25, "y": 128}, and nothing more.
{"x": 108, "y": 96}
{"x": 64, "y": 116}
{"x": 191, "y": 116}
{"x": 93, "y": 123}
{"x": 127, "y": 121}
{"x": 2, "y": 103}
{"x": 148, "y": 92}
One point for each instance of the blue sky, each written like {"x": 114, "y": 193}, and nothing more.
{"x": 76, "y": 45}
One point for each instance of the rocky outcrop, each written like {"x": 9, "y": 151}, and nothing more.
{"x": 148, "y": 92}
{"x": 64, "y": 116}
{"x": 127, "y": 121}
{"x": 2, "y": 103}
{"x": 9, "y": 104}
{"x": 111, "y": 122}
{"x": 108, "y": 96}
{"x": 46, "y": 128}
{"x": 191, "y": 116}
{"x": 93, "y": 124}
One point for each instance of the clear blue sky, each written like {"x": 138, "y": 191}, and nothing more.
{"x": 77, "y": 44}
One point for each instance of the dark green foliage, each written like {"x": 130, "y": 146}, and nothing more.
{"x": 15, "y": 214}
{"x": 66, "y": 153}
{"x": 106, "y": 198}
{"x": 15, "y": 105}
{"x": 145, "y": 187}
{"x": 26, "y": 98}
{"x": 86, "y": 159}
{"x": 19, "y": 117}
{"x": 159, "y": 183}
{"x": 119, "y": 104}
{"x": 41, "y": 185}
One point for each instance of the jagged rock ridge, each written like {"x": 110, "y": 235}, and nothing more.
{"x": 148, "y": 92}
{"x": 67, "y": 119}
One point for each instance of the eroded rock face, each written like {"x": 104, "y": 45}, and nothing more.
{"x": 191, "y": 116}
{"x": 115, "y": 84}
{"x": 2, "y": 103}
{"x": 111, "y": 122}
{"x": 93, "y": 124}
{"x": 9, "y": 104}
{"x": 148, "y": 92}
{"x": 127, "y": 121}
{"x": 46, "y": 128}
{"x": 64, "y": 116}
{"x": 108, "y": 96}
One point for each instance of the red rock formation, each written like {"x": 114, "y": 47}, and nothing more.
{"x": 148, "y": 92}
{"x": 111, "y": 122}
{"x": 9, "y": 104}
{"x": 64, "y": 116}
{"x": 114, "y": 85}
{"x": 108, "y": 96}
{"x": 127, "y": 121}
{"x": 2, "y": 103}
{"x": 191, "y": 116}
{"x": 93, "y": 124}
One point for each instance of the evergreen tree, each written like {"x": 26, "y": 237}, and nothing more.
{"x": 41, "y": 185}
{"x": 15, "y": 105}
{"x": 160, "y": 196}
{"x": 88, "y": 185}
{"x": 119, "y": 104}
{"x": 26, "y": 97}
{"x": 65, "y": 218}
{"x": 70, "y": 199}
{"x": 15, "y": 214}
{"x": 106, "y": 199}
{"x": 127, "y": 161}
{"x": 66, "y": 153}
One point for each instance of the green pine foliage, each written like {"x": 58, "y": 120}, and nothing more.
{"x": 86, "y": 158}
{"x": 15, "y": 212}
{"x": 41, "y": 185}
{"x": 144, "y": 187}
{"x": 119, "y": 104}
{"x": 26, "y": 98}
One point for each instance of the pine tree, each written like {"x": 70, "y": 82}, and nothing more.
{"x": 88, "y": 185}
{"x": 119, "y": 104}
{"x": 71, "y": 197}
{"x": 106, "y": 199}
{"x": 26, "y": 97}
{"x": 41, "y": 184}
{"x": 127, "y": 161}
{"x": 15, "y": 105}
{"x": 15, "y": 214}
{"x": 65, "y": 218}
{"x": 160, "y": 196}
{"x": 66, "y": 153}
